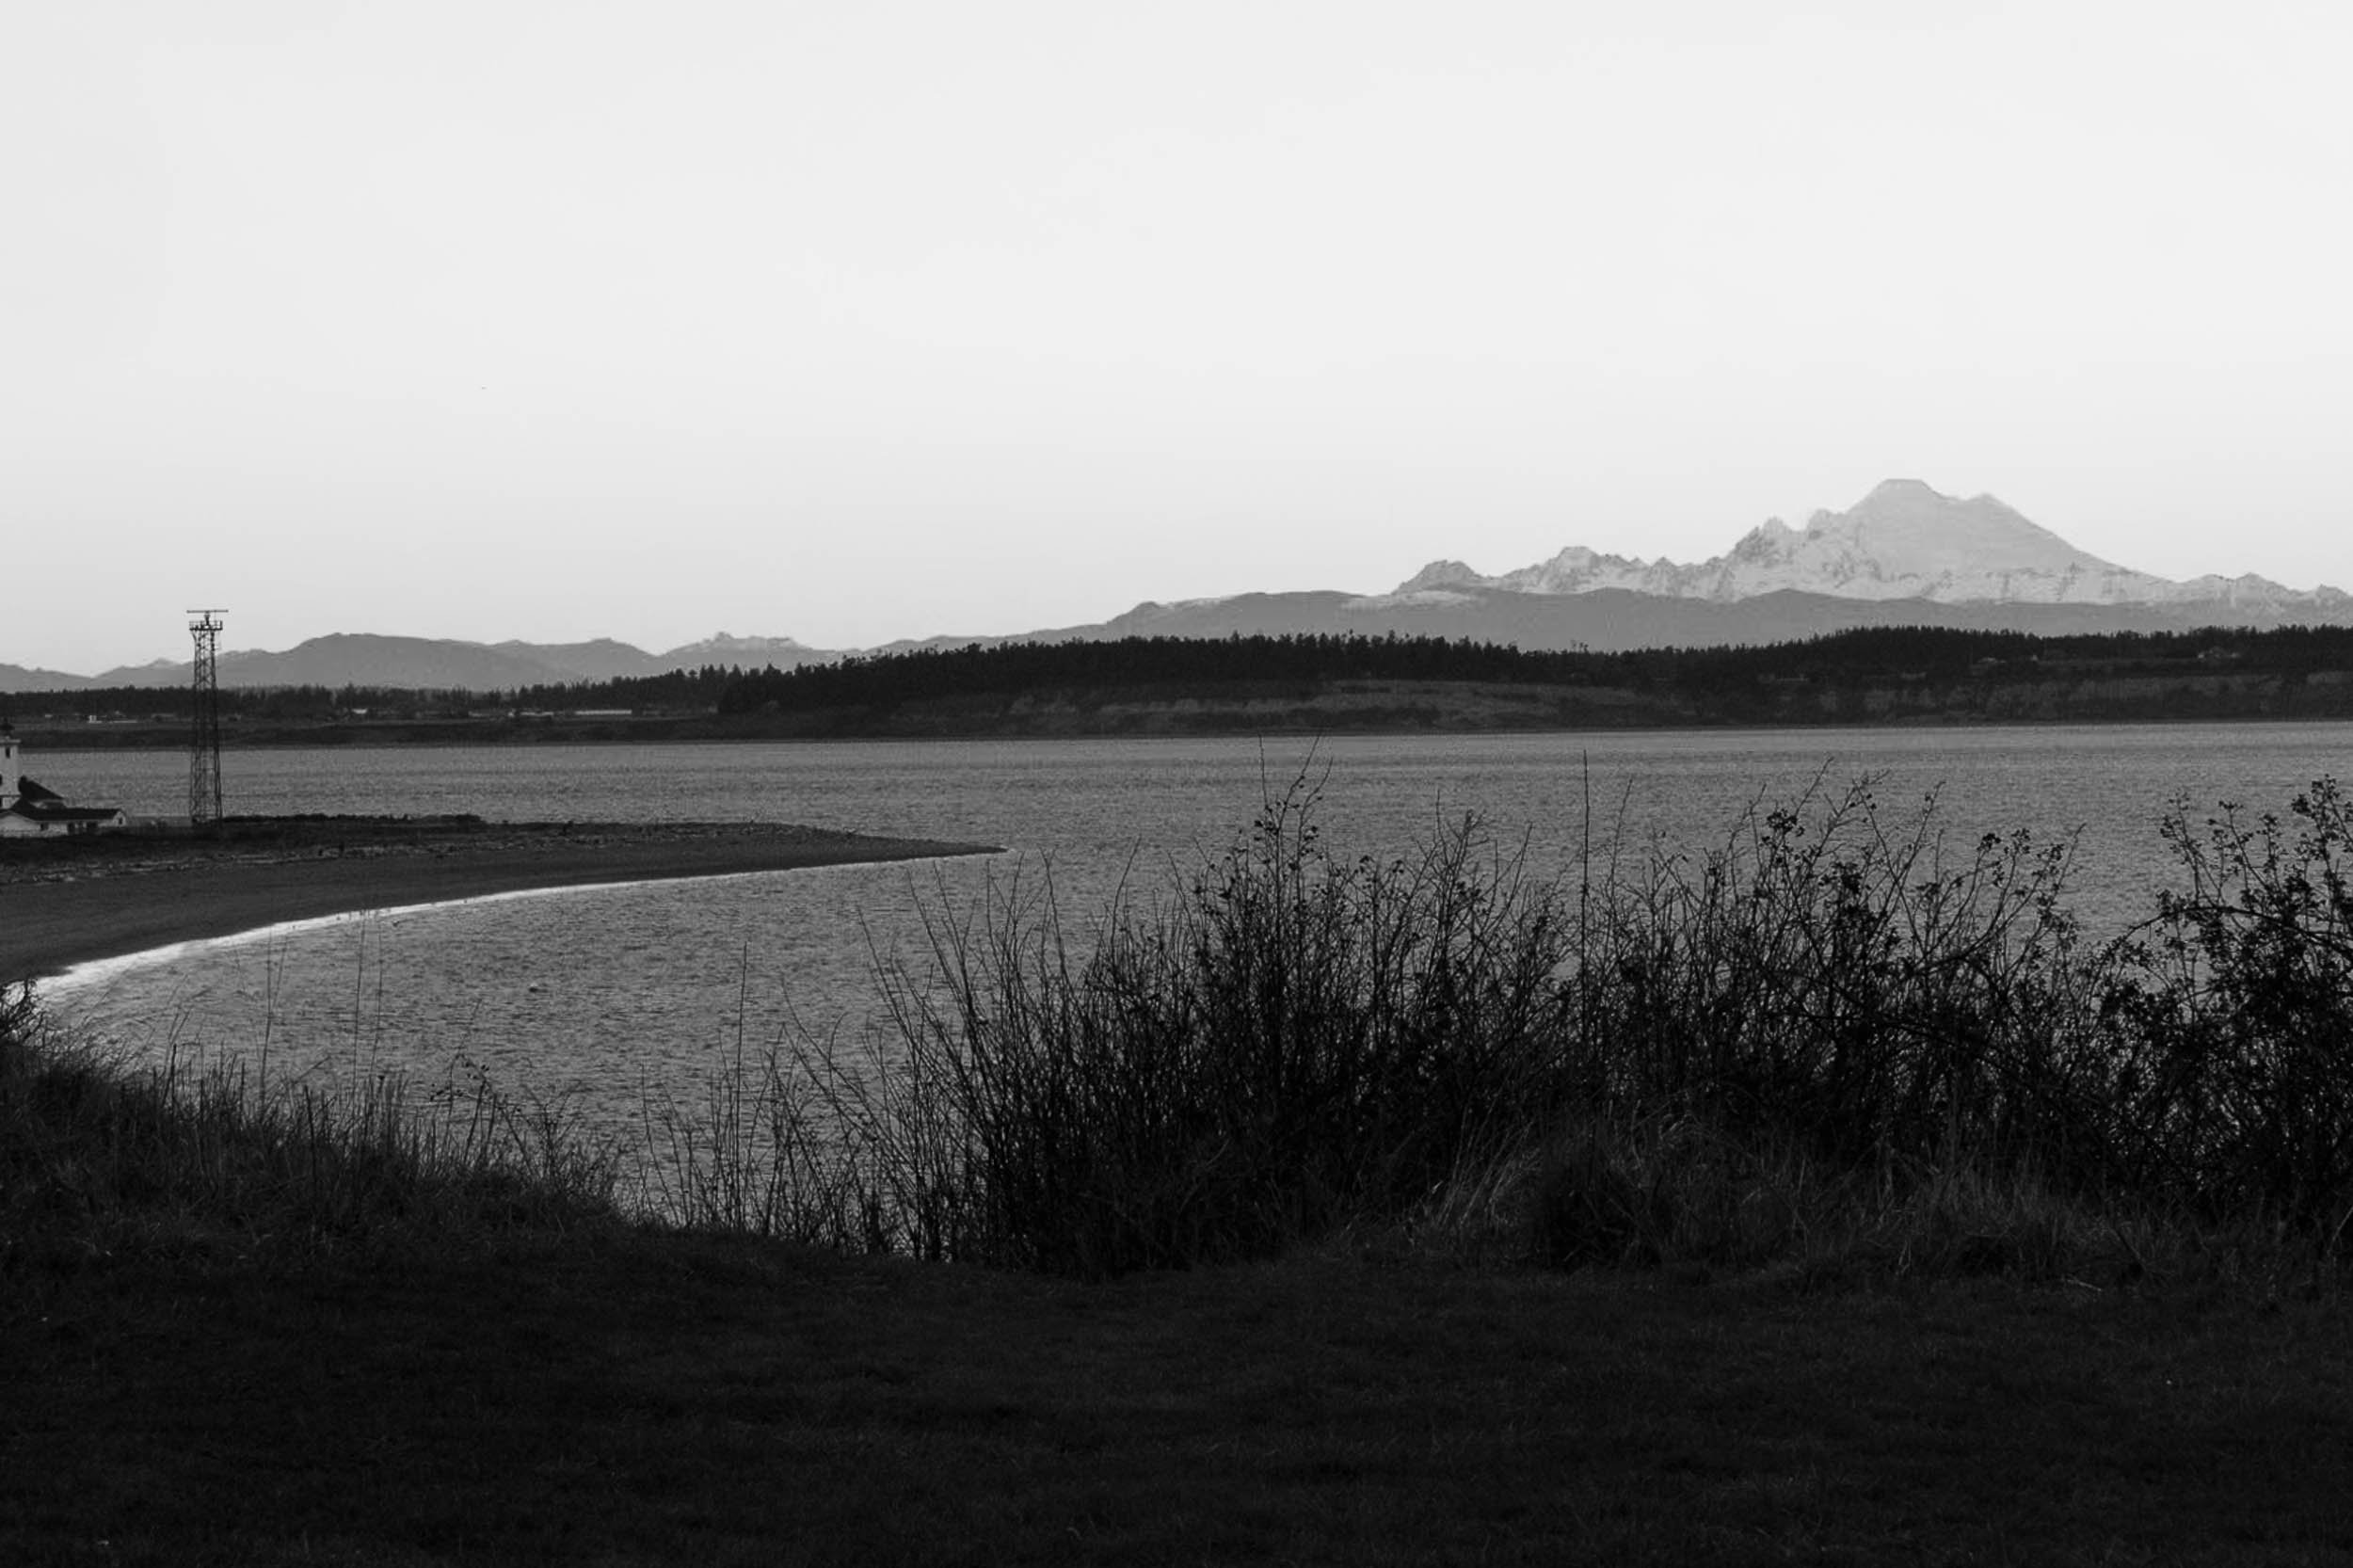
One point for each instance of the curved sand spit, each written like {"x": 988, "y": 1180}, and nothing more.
{"x": 75, "y": 901}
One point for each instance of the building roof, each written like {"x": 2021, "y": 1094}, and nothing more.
{"x": 56, "y": 811}
{"x": 37, "y": 802}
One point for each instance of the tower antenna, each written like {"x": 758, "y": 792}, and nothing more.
{"x": 204, "y": 734}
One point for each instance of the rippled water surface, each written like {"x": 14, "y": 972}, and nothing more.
{"x": 618, "y": 997}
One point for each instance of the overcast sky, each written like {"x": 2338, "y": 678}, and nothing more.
{"x": 554, "y": 319}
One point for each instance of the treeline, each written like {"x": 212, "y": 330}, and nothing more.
{"x": 677, "y": 691}
{"x": 1869, "y": 655}
{"x": 1170, "y": 666}
{"x": 674, "y": 691}
{"x": 1723, "y": 680}
{"x": 306, "y": 702}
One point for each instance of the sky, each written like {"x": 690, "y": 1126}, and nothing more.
{"x": 558, "y": 319}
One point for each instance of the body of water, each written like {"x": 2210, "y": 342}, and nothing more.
{"x": 614, "y": 999}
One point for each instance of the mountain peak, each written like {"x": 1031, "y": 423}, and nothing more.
{"x": 1902, "y": 491}
{"x": 1910, "y": 533}
{"x": 1905, "y": 539}
{"x": 726, "y": 643}
{"x": 1441, "y": 574}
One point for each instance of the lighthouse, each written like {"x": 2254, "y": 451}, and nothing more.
{"x": 27, "y": 808}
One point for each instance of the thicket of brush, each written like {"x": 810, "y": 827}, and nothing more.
{"x": 99, "y": 1155}
{"x": 1828, "y": 1043}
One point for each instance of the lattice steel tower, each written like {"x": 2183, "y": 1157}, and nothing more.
{"x": 204, "y": 735}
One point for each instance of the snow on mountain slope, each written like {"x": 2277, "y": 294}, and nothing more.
{"x": 1904, "y": 540}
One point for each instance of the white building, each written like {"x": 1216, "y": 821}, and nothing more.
{"x": 28, "y": 810}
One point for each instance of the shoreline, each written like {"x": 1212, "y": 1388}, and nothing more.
{"x": 87, "y": 901}
{"x": 1308, "y": 724}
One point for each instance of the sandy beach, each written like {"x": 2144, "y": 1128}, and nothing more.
{"x": 72, "y": 902}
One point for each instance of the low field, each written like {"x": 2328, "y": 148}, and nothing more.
{"x": 614, "y": 1396}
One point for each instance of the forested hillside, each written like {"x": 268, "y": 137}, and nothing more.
{"x": 1245, "y": 684}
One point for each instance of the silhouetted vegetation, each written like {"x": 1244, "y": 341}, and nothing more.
{"x": 259, "y": 1324}
{"x": 1168, "y": 666}
{"x": 1305, "y": 683}
{"x": 703, "y": 690}
{"x": 98, "y": 1155}
{"x": 1832, "y": 1043}
{"x": 1174, "y": 666}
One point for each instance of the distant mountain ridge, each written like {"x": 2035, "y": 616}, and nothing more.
{"x": 18, "y": 677}
{"x": 417, "y": 664}
{"x": 1904, "y": 556}
{"x": 1904, "y": 540}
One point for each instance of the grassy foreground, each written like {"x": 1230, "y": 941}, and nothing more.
{"x": 615, "y": 1396}
{"x": 1826, "y": 1200}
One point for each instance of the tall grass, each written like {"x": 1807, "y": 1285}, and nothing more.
{"x": 1832, "y": 1036}
{"x": 102, "y": 1156}
{"x": 1290, "y": 1041}
{"x": 1838, "y": 1038}
{"x": 1823, "y": 977}
{"x": 2230, "y": 1023}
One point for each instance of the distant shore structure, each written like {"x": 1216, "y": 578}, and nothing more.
{"x": 204, "y": 730}
{"x": 28, "y": 810}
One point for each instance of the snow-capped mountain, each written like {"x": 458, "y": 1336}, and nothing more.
{"x": 1904, "y": 540}
{"x": 749, "y": 653}
{"x": 1903, "y": 556}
